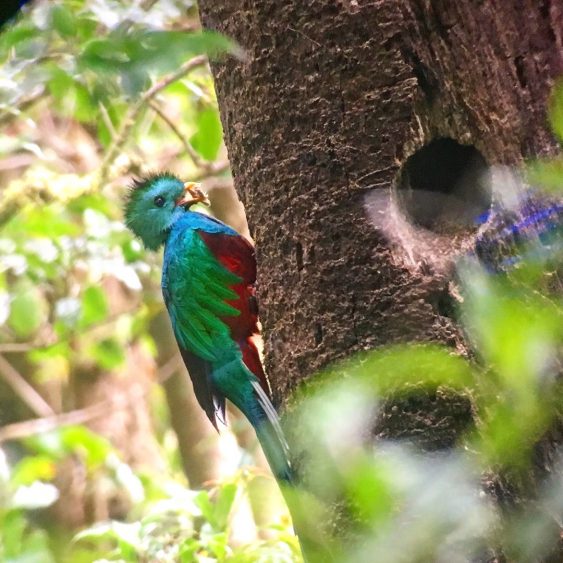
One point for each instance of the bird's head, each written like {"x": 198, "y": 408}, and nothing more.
{"x": 155, "y": 203}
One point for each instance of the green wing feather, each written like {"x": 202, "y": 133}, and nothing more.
{"x": 197, "y": 288}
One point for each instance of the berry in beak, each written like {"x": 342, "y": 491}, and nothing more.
{"x": 192, "y": 194}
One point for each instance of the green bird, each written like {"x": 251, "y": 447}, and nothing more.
{"x": 208, "y": 278}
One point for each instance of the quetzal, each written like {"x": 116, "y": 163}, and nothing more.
{"x": 208, "y": 277}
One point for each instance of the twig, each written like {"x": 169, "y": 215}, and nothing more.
{"x": 19, "y": 347}
{"x": 107, "y": 120}
{"x": 207, "y": 168}
{"x": 130, "y": 118}
{"x": 24, "y": 390}
{"x": 169, "y": 368}
{"x": 19, "y": 430}
{"x": 27, "y": 428}
{"x": 198, "y": 161}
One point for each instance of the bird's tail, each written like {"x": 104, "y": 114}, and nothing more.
{"x": 266, "y": 423}
{"x": 243, "y": 389}
{"x": 236, "y": 382}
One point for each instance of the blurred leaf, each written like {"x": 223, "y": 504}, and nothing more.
{"x": 209, "y": 136}
{"x": 399, "y": 368}
{"x": 371, "y": 489}
{"x": 63, "y": 20}
{"x": 85, "y": 108}
{"x": 13, "y": 35}
{"x": 218, "y": 545}
{"x": 97, "y": 202}
{"x": 28, "y": 310}
{"x": 224, "y": 503}
{"x": 107, "y": 353}
{"x": 94, "y": 448}
{"x": 203, "y": 502}
{"x": 13, "y": 531}
{"x": 44, "y": 221}
{"x": 59, "y": 84}
{"x": 47, "y": 444}
{"x": 104, "y": 55}
{"x": 547, "y": 173}
{"x": 40, "y": 354}
{"x": 126, "y": 536}
{"x": 59, "y": 443}
{"x": 132, "y": 250}
{"x": 94, "y": 306}
{"x": 30, "y": 469}
{"x": 139, "y": 52}
{"x": 189, "y": 549}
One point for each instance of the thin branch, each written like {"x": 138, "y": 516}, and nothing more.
{"x": 169, "y": 368}
{"x": 18, "y": 347}
{"x": 107, "y": 120}
{"x": 19, "y": 430}
{"x": 130, "y": 118}
{"x": 198, "y": 161}
{"x": 27, "y": 428}
{"x": 207, "y": 168}
{"x": 23, "y": 389}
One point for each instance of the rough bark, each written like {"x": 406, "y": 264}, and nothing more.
{"x": 332, "y": 99}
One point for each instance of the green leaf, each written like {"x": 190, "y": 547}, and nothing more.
{"x": 13, "y": 35}
{"x": 203, "y": 502}
{"x": 85, "y": 108}
{"x": 126, "y": 535}
{"x": 94, "y": 306}
{"x": 108, "y": 354}
{"x": 45, "y": 221}
{"x": 209, "y": 135}
{"x": 97, "y": 202}
{"x": 93, "y": 447}
{"x": 59, "y": 83}
{"x": 218, "y": 545}
{"x": 189, "y": 549}
{"x": 204, "y": 42}
{"x": 60, "y": 349}
{"x": 104, "y": 55}
{"x": 33, "y": 468}
{"x": 63, "y": 21}
{"x": 224, "y": 503}
{"x": 547, "y": 173}
{"x": 28, "y": 310}
{"x": 13, "y": 533}
{"x": 139, "y": 52}
{"x": 48, "y": 444}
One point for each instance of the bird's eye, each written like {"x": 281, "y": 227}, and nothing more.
{"x": 159, "y": 201}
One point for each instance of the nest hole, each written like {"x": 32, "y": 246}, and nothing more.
{"x": 444, "y": 187}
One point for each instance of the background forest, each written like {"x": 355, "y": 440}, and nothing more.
{"x": 104, "y": 454}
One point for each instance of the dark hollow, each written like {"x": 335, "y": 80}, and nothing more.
{"x": 444, "y": 186}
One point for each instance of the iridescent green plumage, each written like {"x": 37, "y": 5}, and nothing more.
{"x": 208, "y": 280}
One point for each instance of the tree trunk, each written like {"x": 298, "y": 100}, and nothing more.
{"x": 320, "y": 119}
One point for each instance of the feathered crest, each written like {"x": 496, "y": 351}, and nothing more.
{"x": 139, "y": 185}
